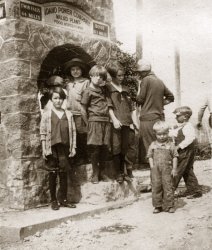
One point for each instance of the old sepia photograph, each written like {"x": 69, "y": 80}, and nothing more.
{"x": 105, "y": 124}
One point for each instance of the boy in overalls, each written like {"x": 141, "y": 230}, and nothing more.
{"x": 162, "y": 156}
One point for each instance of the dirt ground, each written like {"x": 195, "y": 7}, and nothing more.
{"x": 135, "y": 227}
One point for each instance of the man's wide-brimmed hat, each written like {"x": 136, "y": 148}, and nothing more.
{"x": 75, "y": 62}
{"x": 142, "y": 65}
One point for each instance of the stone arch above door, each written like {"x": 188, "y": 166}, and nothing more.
{"x": 55, "y": 59}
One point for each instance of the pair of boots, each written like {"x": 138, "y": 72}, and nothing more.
{"x": 63, "y": 190}
{"x": 98, "y": 175}
{"x": 125, "y": 176}
{"x": 125, "y": 173}
{"x": 99, "y": 163}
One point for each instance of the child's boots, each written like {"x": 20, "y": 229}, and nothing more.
{"x": 95, "y": 176}
{"x": 102, "y": 176}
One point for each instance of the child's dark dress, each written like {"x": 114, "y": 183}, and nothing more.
{"x": 122, "y": 140}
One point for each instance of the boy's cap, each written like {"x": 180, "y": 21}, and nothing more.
{"x": 75, "y": 62}
{"x": 184, "y": 110}
{"x": 55, "y": 81}
{"x": 142, "y": 65}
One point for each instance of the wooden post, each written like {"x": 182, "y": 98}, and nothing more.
{"x": 177, "y": 78}
{"x": 139, "y": 45}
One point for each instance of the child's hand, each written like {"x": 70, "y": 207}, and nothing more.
{"x": 44, "y": 155}
{"x": 136, "y": 126}
{"x": 73, "y": 152}
{"x": 174, "y": 173}
{"x": 117, "y": 124}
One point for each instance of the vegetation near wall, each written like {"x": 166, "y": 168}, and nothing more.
{"x": 128, "y": 61}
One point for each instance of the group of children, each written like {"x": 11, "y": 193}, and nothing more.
{"x": 85, "y": 123}
{"x": 99, "y": 116}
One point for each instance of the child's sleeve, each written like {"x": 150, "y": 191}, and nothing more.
{"x": 43, "y": 128}
{"x": 150, "y": 151}
{"x": 86, "y": 97}
{"x": 74, "y": 133}
{"x": 108, "y": 98}
{"x": 174, "y": 151}
{"x": 189, "y": 133}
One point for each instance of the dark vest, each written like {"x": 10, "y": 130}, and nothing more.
{"x": 59, "y": 129}
{"x": 180, "y": 137}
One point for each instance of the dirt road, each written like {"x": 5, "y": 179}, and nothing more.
{"x": 135, "y": 227}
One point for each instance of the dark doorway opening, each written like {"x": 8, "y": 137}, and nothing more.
{"x": 54, "y": 61}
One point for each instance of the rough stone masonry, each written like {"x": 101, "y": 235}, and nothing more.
{"x": 25, "y": 43}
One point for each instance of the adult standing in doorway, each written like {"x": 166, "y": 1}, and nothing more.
{"x": 152, "y": 96}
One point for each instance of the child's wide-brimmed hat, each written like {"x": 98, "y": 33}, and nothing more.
{"x": 75, "y": 62}
{"x": 55, "y": 81}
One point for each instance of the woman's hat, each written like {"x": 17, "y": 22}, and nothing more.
{"x": 55, "y": 81}
{"x": 75, "y": 62}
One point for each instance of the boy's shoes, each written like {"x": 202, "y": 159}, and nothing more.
{"x": 182, "y": 194}
{"x": 171, "y": 210}
{"x": 157, "y": 210}
{"x": 95, "y": 179}
{"x": 195, "y": 195}
{"x": 127, "y": 178}
{"x": 120, "y": 178}
{"x": 55, "y": 205}
{"x": 65, "y": 203}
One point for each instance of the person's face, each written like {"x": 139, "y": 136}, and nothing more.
{"x": 57, "y": 100}
{"x": 181, "y": 118}
{"x": 162, "y": 135}
{"x": 120, "y": 76}
{"x": 76, "y": 71}
{"x": 97, "y": 81}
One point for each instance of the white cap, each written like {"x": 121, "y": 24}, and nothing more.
{"x": 143, "y": 65}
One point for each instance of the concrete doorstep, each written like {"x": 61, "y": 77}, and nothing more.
{"x": 17, "y": 225}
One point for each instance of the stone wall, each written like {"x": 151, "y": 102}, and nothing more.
{"x": 99, "y": 10}
{"x": 23, "y": 47}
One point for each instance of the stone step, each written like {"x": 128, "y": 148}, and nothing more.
{"x": 80, "y": 188}
{"x": 95, "y": 199}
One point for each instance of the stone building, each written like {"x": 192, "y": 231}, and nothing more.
{"x": 36, "y": 38}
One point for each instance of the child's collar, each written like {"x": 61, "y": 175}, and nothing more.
{"x": 179, "y": 125}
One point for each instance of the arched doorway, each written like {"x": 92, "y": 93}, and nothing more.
{"x": 54, "y": 61}
{"x": 53, "y": 65}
